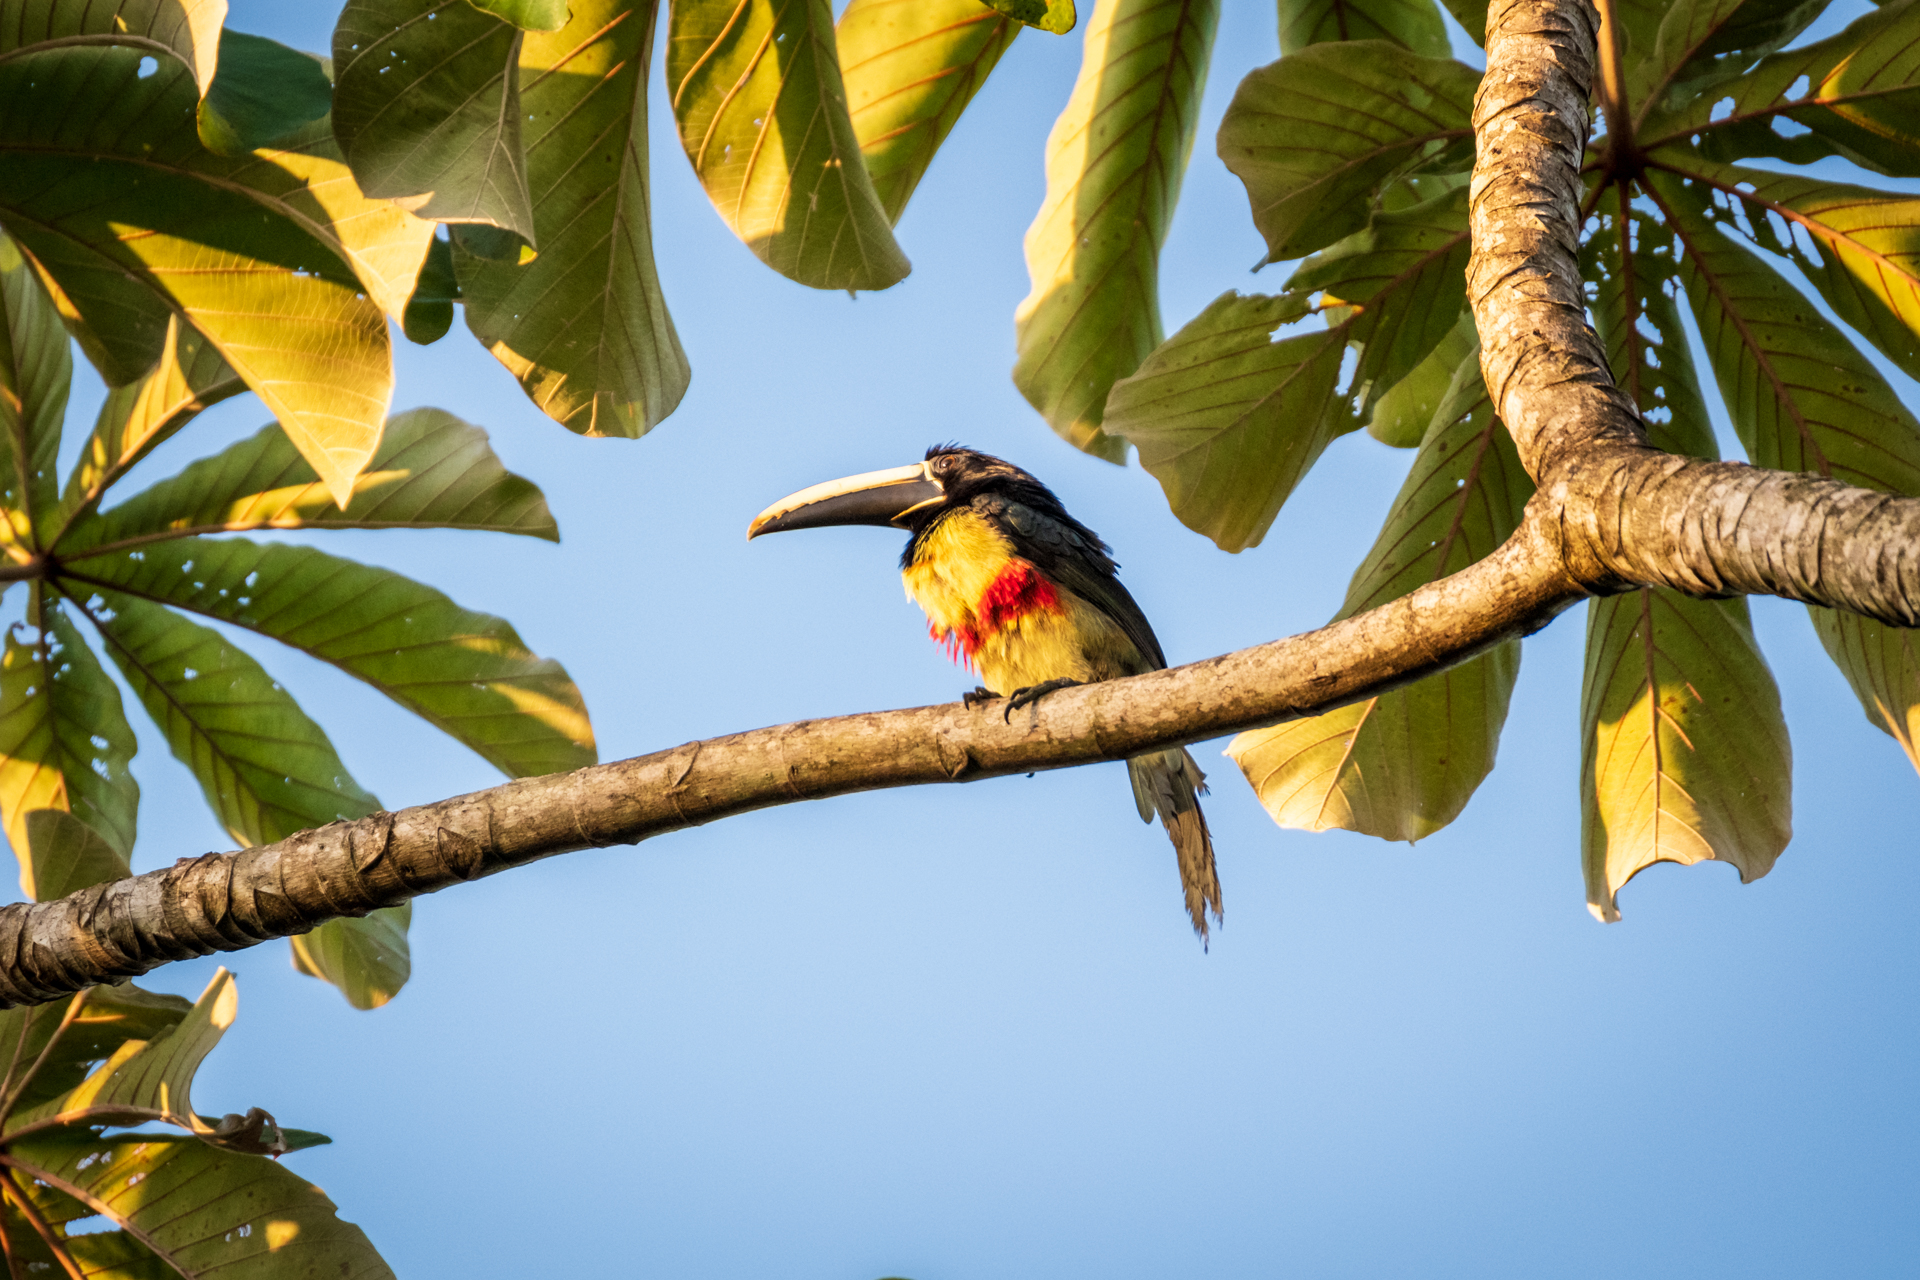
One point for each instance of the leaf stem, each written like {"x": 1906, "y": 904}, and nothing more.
{"x": 55, "y": 1244}
{"x": 12, "y": 1098}
{"x": 1623, "y": 157}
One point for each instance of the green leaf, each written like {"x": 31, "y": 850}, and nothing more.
{"x": 66, "y": 855}
{"x": 267, "y": 769}
{"x": 137, "y": 418}
{"x": 911, "y": 67}
{"x": 584, "y": 326}
{"x": 529, "y": 15}
{"x": 1316, "y": 135}
{"x": 1115, "y": 159}
{"x": 1054, "y": 16}
{"x": 247, "y": 248}
{"x": 1704, "y": 43}
{"x": 262, "y": 92}
{"x": 367, "y": 958}
{"x": 1414, "y": 25}
{"x": 1472, "y": 16}
{"x": 1228, "y": 421}
{"x": 1402, "y": 414}
{"x": 429, "y": 312}
{"x": 433, "y": 471}
{"x": 763, "y": 117}
{"x": 188, "y": 30}
{"x": 467, "y": 673}
{"x": 426, "y": 108}
{"x": 109, "y": 1017}
{"x": 1404, "y": 764}
{"x": 35, "y": 374}
{"x": 64, "y": 745}
{"x": 1858, "y": 91}
{"x": 1684, "y": 751}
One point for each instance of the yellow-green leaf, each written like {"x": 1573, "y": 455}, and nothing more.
{"x": 911, "y": 67}
{"x": 65, "y": 855}
{"x": 1404, "y": 764}
{"x": 762, "y": 111}
{"x": 35, "y": 373}
{"x": 188, "y": 30}
{"x": 1402, "y": 414}
{"x": 263, "y": 92}
{"x": 366, "y": 958}
{"x": 584, "y": 325}
{"x": 1414, "y": 25}
{"x": 1115, "y": 159}
{"x": 1054, "y": 16}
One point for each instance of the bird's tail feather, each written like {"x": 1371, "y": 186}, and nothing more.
{"x": 1170, "y": 783}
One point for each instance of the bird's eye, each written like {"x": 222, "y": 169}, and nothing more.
{"x": 943, "y": 463}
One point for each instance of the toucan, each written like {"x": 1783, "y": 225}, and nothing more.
{"x": 1019, "y": 590}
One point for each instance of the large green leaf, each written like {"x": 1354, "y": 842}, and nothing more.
{"x": 1115, "y": 159}
{"x": 1414, "y": 25}
{"x": 911, "y": 67}
{"x": 263, "y": 93}
{"x": 35, "y": 373}
{"x": 1684, "y": 751}
{"x": 1316, "y": 135}
{"x": 1858, "y": 91}
{"x": 467, "y": 673}
{"x": 103, "y": 179}
{"x": 64, "y": 743}
{"x": 426, "y": 108}
{"x": 188, "y": 30}
{"x": 1404, "y": 764}
{"x": 584, "y": 326}
{"x": 433, "y": 471}
{"x": 108, "y": 1017}
{"x": 1704, "y": 43}
{"x": 65, "y": 855}
{"x": 1229, "y": 421}
{"x": 763, "y": 117}
{"x": 267, "y": 770}
{"x": 1403, "y": 412}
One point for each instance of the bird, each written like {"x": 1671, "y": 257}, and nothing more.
{"x": 1020, "y": 591}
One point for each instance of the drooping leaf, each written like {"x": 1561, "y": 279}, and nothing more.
{"x": 1115, "y": 159}
{"x": 584, "y": 326}
{"x": 262, "y": 93}
{"x": 1054, "y": 16}
{"x": 1414, "y": 25}
{"x": 267, "y": 770}
{"x": 137, "y": 418}
{"x": 65, "y": 855}
{"x": 1402, "y": 413}
{"x": 433, "y": 471}
{"x": 188, "y": 30}
{"x": 426, "y": 108}
{"x": 1315, "y": 135}
{"x": 911, "y": 67}
{"x": 64, "y": 742}
{"x": 1404, "y": 764}
{"x": 366, "y": 958}
{"x": 1228, "y": 420}
{"x": 467, "y": 673}
{"x": 109, "y": 1017}
{"x": 1858, "y": 91}
{"x": 103, "y": 179}
{"x": 35, "y": 373}
{"x": 429, "y": 313}
{"x": 1684, "y": 751}
{"x": 762, "y": 111}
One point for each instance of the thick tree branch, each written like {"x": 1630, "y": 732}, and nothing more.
{"x": 1610, "y": 512}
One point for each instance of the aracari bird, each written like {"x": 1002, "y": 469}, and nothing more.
{"x": 1018, "y": 589}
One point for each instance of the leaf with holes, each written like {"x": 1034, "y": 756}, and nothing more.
{"x": 1403, "y": 764}
{"x": 910, "y": 68}
{"x": 1115, "y": 159}
{"x": 584, "y": 326}
{"x": 762, "y": 111}
{"x": 187, "y": 30}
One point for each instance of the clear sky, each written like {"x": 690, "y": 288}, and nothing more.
{"x": 964, "y": 1033}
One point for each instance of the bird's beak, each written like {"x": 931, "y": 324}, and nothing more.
{"x": 876, "y": 497}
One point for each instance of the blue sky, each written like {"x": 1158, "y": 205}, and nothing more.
{"x": 961, "y": 1033}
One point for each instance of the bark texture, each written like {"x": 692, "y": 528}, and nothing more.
{"x": 1610, "y": 512}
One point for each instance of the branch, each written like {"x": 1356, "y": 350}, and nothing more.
{"x": 1610, "y": 512}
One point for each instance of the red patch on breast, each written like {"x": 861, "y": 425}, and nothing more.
{"x": 1018, "y": 591}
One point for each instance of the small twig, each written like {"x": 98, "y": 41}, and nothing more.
{"x": 12, "y": 1098}
{"x": 6, "y": 1247}
{"x": 23, "y": 1202}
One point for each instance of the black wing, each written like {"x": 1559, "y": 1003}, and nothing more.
{"x": 1074, "y": 557}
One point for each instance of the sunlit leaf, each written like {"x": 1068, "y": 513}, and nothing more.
{"x": 1404, "y": 764}
{"x": 1684, "y": 751}
{"x": 1227, "y": 419}
{"x": 531, "y": 15}
{"x": 911, "y": 67}
{"x": 757, "y": 93}
{"x": 433, "y": 471}
{"x": 366, "y": 958}
{"x": 1315, "y": 135}
{"x": 467, "y": 673}
{"x": 426, "y": 108}
{"x": 64, "y": 742}
{"x": 108, "y": 1018}
{"x": 263, "y": 92}
{"x": 584, "y": 326}
{"x": 1054, "y": 16}
{"x": 1414, "y": 25}
{"x": 35, "y": 373}
{"x": 1703, "y": 43}
{"x": 1115, "y": 159}
{"x": 188, "y": 30}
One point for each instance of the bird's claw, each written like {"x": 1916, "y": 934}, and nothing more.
{"x": 1033, "y": 693}
{"x": 979, "y": 696}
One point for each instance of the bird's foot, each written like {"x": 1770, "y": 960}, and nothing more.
{"x": 1033, "y": 693}
{"x": 977, "y": 697}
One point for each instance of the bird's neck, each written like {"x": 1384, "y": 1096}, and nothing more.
{"x": 969, "y": 579}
